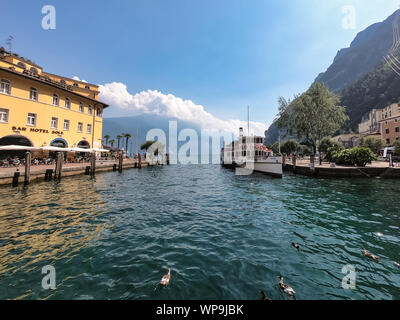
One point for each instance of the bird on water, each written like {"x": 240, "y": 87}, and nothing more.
{"x": 370, "y": 255}
{"x": 294, "y": 244}
{"x": 165, "y": 279}
{"x": 286, "y": 288}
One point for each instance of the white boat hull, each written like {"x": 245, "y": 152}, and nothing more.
{"x": 271, "y": 166}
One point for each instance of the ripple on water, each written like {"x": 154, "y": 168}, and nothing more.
{"x": 223, "y": 236}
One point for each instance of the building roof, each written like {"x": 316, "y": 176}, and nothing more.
{"x": 48, "y": 81}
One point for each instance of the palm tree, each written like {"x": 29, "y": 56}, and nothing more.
{"x": 112, "y": 141}
{"x": 127, "y": 136}
{"x": 106, "y": 137}
{"x": 119, "y": 139}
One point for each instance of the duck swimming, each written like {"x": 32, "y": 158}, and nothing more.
{"x": 286, "y": 288}
{"x": 370, "y": 255}
{"x": 294, "y": 244}
{"x": 165, "y": 279}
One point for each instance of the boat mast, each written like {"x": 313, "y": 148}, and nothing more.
{"x": 248, "y": 120}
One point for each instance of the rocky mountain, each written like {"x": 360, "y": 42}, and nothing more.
{"x": 364, "y": 75}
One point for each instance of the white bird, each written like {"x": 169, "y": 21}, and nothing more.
{"x": 286, "y": 288}
{"x": 165, "y": 279}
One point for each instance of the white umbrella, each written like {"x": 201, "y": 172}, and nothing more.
{"x": 54, "y": 149}
{"x": 79, "y": 150}
{"x": 99, "y": 150}
{"x": 14, "y": 147}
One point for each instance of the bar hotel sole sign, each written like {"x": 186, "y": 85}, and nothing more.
{"x": 36, "y": 130}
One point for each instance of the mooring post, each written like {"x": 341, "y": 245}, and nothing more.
{"x": 16, "y": 178}
{"x": 121, "y": 160}
{"x": 93, "y": 164}
{"x": 390, "y": 160}
{"x": 140, "y": 161}
{"x": 312, "y": 162}
{"x": 59, "y": 163}
{"x": 28, "y": 157}
{"x": 48, "y": 175}
{"x": 294, "y": 163}
{"x": 167, "y": 155}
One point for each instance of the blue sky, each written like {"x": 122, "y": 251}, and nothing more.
{"x": 221, "y": 54}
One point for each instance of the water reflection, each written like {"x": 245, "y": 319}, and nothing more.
{"x": 48, "y": 222}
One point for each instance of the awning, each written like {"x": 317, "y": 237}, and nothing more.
{"x": 54, "y": 149}
{"x": 20, "y": 148}
{"x": 99, "y": 150}
{"x": 78, "y": 150}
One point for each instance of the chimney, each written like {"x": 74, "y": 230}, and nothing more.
{"x": 240, "y": 132}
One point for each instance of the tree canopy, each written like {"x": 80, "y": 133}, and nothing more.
{"x": 312, "y": 115}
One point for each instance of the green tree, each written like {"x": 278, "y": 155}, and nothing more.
{"x": 375, "y": 145}
{"x": 119, "y": 137}
{"x": 305, "y": 150}
{"x": 127, "y": 136}
{"x": 112, "y": 141}
{"x": 313, "y": 115}
{"x": 397, "y": 148}
{"x": 106, "y": 137}
{"x": 327, "y": 143}
{"x": 275, "y": 148}
{"x": 290, "y": 146}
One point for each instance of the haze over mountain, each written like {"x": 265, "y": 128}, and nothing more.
{"x": 363, "y": 74}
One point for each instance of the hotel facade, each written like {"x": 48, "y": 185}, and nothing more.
{"x": 42, "y": 109}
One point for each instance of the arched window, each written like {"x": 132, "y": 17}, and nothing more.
{"x": 60, "y": 143}
{"x": 33, "y": 94}
{"x": 21, "y": 65}
{"x": 62, "y": 82}
{"x": 56, "y": 100}
{"x": 84, "y": 144}
{"x": 75, "y": 84}
{"x": 5, "y": 86}
{"x": 33, "y": 70}
{"x": 87, "y": 87}
{"x": 67, "y": 103}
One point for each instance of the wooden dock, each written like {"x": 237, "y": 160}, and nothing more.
{"x": 38, "y": 173}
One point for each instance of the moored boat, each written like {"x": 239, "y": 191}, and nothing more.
{"x": 250, "y": 154}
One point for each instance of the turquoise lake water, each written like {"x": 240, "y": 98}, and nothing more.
{"x": 223, "y": 236}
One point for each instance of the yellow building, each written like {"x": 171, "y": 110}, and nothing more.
{"x": 42, "y": 109}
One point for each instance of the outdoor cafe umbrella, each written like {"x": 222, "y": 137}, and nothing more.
{"x": 99, "y": 150}
{"x": 55, "y": 149}
{"x": 78, "y": 150}
{"x": 17, "y": 148}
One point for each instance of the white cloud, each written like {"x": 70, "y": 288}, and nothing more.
{"x": 77, "y": 79}
{"x": 168, "y": 105}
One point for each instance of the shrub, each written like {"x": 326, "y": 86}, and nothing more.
{"x": 354, "y": 157}
{"x": 332, "y": 152}
{"x": 327, "y": 143}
